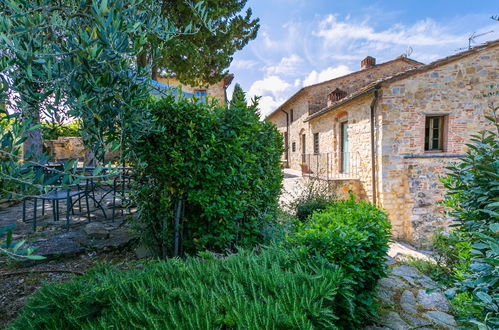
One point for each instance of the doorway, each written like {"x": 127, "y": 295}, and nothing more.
{"x": 303, "y": 149}
{"x": 344, "y": 164}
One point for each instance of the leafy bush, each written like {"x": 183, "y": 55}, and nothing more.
{"x": 452, "y": 252}
{"x": 315, "y": 195}
{"x": 222, "y": 165}
{"x": 474, "y": 201}
{"x": 277, "y": 289}
{"x": 15, "y": 249}
{"x": 53, "y": 131}
{"x": 354, "y": 236}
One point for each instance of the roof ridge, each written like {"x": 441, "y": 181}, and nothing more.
{"x": 398, "y": 58}
{"x": 402, "y": 74}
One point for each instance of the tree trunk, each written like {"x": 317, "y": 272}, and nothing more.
{"x": 142, "y": 59}
{"x": 90, "y": 159}
{"x": 155, "y": 73}
{"x": 33, "y": 146}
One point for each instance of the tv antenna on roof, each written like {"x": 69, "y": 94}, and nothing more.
{"x": 408, "y": 51}
{"x": 472, "y": 38}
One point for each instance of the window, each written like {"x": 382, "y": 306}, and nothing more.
{"x": 201, "y": 94}
{"x": 316, "y": 143}
{"x": 293, "y": 146}
{"x": 434, "y": 133}
{"x": 291, "y": 117}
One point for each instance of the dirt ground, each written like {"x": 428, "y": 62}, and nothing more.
{"x": 19, "y": 280}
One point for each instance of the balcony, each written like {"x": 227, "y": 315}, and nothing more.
{"x": 331, "y": 166}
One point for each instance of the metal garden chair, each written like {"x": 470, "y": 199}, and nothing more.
{"x": 52, "y": 176}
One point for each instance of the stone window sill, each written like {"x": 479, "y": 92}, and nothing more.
{"x": 434, "y": 155}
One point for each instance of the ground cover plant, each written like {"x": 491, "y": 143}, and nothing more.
{"x": 218, "y": 166}
{"x": 353, "y": 235}
{"x": 274, "y": 289}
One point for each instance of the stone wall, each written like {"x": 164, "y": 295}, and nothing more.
{"x": 69, "y": 147}
{"x": 216, "y": 90}
{"x": 410, "y": 175}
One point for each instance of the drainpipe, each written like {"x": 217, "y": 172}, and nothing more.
{"x": 287, "y": 138}
{"x": 373, "y": 146}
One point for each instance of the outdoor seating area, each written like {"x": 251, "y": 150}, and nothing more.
{"x": 105, "y": 197}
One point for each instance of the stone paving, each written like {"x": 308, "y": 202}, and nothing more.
{"x": 411, "y": 300}
{"x": 52, "y": 237}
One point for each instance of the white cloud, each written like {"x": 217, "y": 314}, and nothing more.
{"x": 273, "y": 91}
{"x": 243, "y": 64}
{"x": 268, "y": 104}
{"x": 272, "y": 85}
{"x": 423, "y": 33}
{"x": 289, "y": 65}
{"x": 326, "y": 74}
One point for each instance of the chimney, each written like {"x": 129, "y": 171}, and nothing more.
{"x": 367, "y": 63}
{"x": 335, "y": 96}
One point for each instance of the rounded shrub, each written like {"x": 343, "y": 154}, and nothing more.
{"x": 305, "y": 208}
{"x": 275, "y": 289}
{"x": 223, "y": 166}
{"x": 353, "y": 235}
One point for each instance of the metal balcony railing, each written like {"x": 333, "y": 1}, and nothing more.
{"x": 330, "y": 166}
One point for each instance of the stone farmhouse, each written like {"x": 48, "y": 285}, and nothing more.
{"x": 217, "y": 91}
{"x": 388, "y": 131}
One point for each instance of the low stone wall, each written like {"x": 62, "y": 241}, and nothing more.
{"x": 67, "y": 147}
{"x": 71, "y": 147}
{"x": 343, "y": 188}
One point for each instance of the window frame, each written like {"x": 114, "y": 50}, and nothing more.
{"x": 429, "y": 131}
{"x": 316, "y": 143}
{"x": 201, "y": 97}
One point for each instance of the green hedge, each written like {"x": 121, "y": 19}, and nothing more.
{"x": 473, "y": 201}
{"x": 224, "y": 163}
{"x": 354, "y": 236}
{"x": 276, "y": 289}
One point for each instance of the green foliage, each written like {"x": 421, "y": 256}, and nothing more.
{"x": 465, "y": 308}
{"x": 315, "y": 195}
{"x": 77, "y": 61}
{"x": 223, "y": 164}
{"x": 474, "y": 202}
{"x": 203, "y": 57}
{"x": 354, "y": 236}
{"x": 275, "y": 289}
{"x": 53, "y": 132}
{"x": 429, "y": 268}
{"x": 452, "y": 252}
{"x": 15, "y": 249}
{"x": 238, "y": 96}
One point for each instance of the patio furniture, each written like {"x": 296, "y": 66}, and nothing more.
{"x": 121, "y": 185}
{"x": 52, "y": 176}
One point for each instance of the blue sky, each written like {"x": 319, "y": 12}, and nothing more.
{"x": 304, "y": 42}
